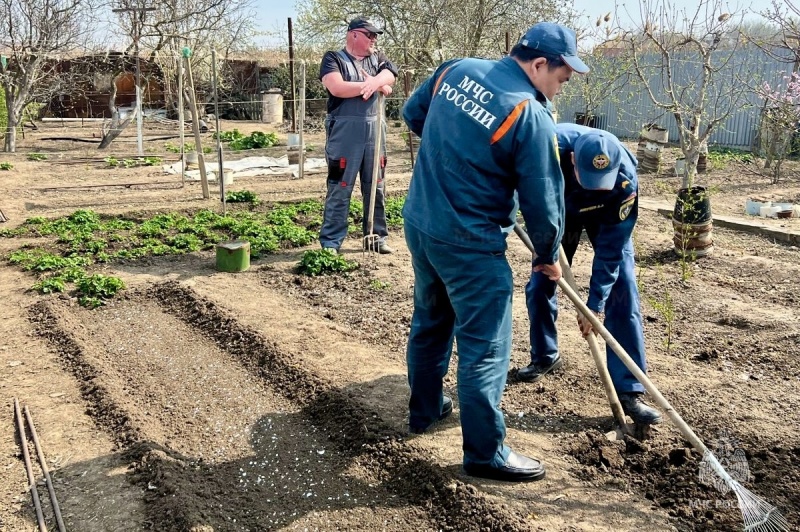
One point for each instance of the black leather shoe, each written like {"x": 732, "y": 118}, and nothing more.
{"x": 518, "y": 468}
{"x": 447, "y": 409}
{"x": 536, "y": 372}
{"x": 640, "y": 412}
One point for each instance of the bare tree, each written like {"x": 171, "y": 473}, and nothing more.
{"x": 423, "y": 33}
{"x": 162, "y": 29}
{"x": 780, "y": 122}
{"x": 611, "y": 70}
{"x": 34, "y": 35}
{"x": 201, "y": 25}
{"x": 784, "y": 17}
{"x": 692, "y": 55}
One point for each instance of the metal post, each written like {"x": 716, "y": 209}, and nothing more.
{"x": 139, "y": 147}
{"x": 181, "y": 122}
{"x": 291, "y": 78}
{"x": 301, "y": 162}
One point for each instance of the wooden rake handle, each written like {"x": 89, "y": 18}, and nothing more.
{"x": 597, "y": 354}
{"x": 626, "y": 359}
{"x": 594, "y": 347}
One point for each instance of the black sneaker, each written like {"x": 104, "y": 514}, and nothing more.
{"x": 447, "y": 409}
{"x": 640, "y": 412}
{"x": 536, "y": 372}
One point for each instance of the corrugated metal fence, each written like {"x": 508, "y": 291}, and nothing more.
{"x": 625, "y": 113}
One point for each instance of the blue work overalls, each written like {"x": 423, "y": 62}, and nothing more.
{"x": 609, "y": 218}
{"x": 350, "y": 150}
{"x": 486, "y": 132}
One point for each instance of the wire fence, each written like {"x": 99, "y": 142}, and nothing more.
{"x": 242, "y": 92}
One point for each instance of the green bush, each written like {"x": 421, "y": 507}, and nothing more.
{"x": 50, "y": 285}
{"x": 242, "y": 196}
{"x": 323, "y": 261}
{"x": 99, "y": 285}
{"x": 719, "y": 158}
{"x": 236, "y": 141}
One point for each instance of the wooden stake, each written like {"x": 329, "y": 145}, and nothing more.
{"x": 407, "y": 91}
{"x": 23, "y": 441}
{"x": 180, "y": 123}
{"x": 48, "y": 479}
{"x": 219, "y": 140}
{"x": 198, "y": 145}
{"x": 301, "y": 119}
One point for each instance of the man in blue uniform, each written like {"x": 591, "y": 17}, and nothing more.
{"x": 601, "y": 196}
{"x": 487, "y": 131}
{"x": 353, "y": 76}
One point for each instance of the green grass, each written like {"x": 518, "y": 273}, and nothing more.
{"x": 719, "y": 158}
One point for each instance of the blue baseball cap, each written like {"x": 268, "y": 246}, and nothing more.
{"x": 597, "y": 160}
{"x": 555, "y": 39}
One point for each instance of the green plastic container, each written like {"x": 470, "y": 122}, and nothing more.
{"x": 233, "y": 256}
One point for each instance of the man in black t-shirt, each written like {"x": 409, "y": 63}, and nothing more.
{"x": 353, "y": 76}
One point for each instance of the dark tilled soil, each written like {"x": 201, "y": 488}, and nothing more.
{"x": 233, "y": 435}
{"x": 723, "y": 300}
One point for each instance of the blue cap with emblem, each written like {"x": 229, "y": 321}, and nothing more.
{"x": 555, "y": 39}
{"x": 597, "y": 160}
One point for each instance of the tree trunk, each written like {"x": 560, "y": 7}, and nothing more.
{"x": 10, "y": 143}
{"x": 115, "y": 129}
{"x": 117, "y": 126}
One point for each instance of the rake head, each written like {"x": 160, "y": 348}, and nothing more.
{"x": 758, "y": 515}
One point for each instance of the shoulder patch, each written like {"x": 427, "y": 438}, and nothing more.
{"x": 627, "y": 206}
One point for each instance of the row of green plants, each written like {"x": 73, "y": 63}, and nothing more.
{"x": 78, "y": 243}
{"x": 237, "y": 141}
{"x": 719, "y": 157}
{"x": 113, "y": 162}
{"x": 187, "y": 147}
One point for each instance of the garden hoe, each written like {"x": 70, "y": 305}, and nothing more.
{"x": 371, "y": 239}
{"x": 622, "y": 428}
{"x": 757, "y": 514}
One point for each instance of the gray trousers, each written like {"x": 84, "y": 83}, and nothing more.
{"x": 350, "y": 151}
